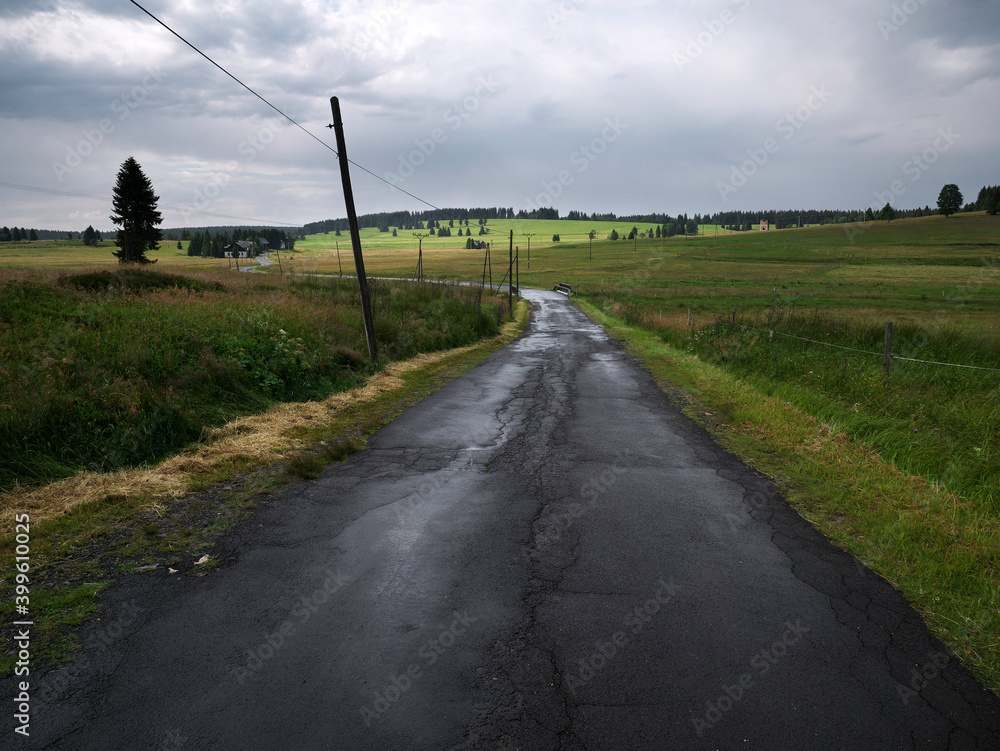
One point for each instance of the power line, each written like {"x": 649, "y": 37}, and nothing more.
{"x": 825, "y": 344}
{"x": 54, "y": 192}
{"x": 312, "y": 135}
{"x": 875, "y": 354}
{"x": 287, "y": 117}
{"x": 51, "y": 191}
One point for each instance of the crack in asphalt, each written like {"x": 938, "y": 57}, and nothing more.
{"x": 497, "y": 608}
{"x": 821, "y": 566}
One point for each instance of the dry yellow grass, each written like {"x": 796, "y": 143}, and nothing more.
{"x": 261, "y": 438}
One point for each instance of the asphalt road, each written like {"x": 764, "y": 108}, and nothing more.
{"x": 542, "y": 555}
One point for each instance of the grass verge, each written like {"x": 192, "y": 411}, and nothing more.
{"x": 91, "y": 528}
{"x": 939, "y": 550}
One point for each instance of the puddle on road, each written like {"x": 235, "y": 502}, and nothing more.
{"x": 607, "y": 356}
{"x": 536, "y": 342}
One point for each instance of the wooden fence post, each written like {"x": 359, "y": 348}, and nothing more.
{"x": 887, "y": 355}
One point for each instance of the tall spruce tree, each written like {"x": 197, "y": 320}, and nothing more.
{"x": 135, "y": 214}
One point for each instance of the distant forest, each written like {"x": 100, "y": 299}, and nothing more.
{"x": 214, "y": 241}
{"x": 177, "y": 233}
{"x": 211, "y": 238}
{"x": 988, "y": 200}
{"x": 682, "y": 223}
{"x": 672, "y": 225}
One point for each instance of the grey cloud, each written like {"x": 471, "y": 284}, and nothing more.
{"x": 404, "y": 70}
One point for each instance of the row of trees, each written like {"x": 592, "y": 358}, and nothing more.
{"x": 137, "y": 219}
{"x": 431, "y": 225}
{"x": 411, "y": 220}
{"x": 679, "y": 225}
{"x": 17, "y": 234}
{"x": 214, "y": 244}
{"x": 668, "y": 225}
{"x": 91, "y": 236}
{"x": 989, "y": 199}
{"x": 436, "y": 229}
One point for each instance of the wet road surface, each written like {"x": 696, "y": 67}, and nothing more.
{"x": 542, "y": 555}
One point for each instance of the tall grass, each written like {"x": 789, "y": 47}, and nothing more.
{"x": 935, "y": 421}
{"x": 109, "y": 370}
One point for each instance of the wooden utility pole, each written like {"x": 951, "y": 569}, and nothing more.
{"x": 510, "y": 276}
{"x": 517, "y": 270}
{"x": 486, "y": 258}
{"x": 352, "y": 218}
{"x": 339, "y": 265}
{"x": 420, "y": 257}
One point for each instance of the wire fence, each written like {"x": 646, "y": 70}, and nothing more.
{"x": 873, "y": 354}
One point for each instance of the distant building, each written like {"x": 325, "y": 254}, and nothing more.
{"x": 764, "y": 225}
{"x": 239, "y": 249}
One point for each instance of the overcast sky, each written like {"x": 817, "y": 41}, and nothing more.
{"x": 630, "y": 106}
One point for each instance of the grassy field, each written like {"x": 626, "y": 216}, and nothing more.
{"x": 913, "y": 268}
{"x": 73, "y": 254}
{"x": 497, "y": 232}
